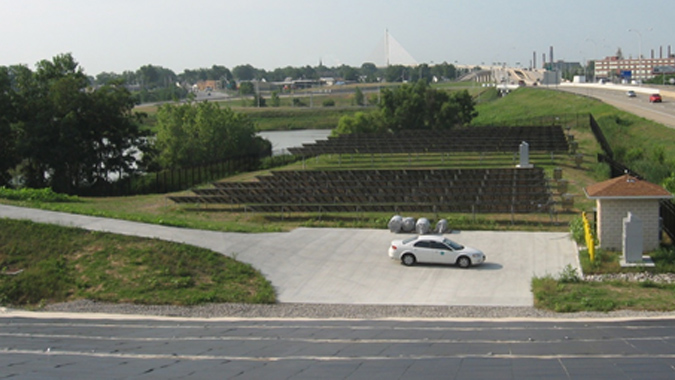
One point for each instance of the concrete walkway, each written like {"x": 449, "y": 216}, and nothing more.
{"x": 351, "y": 266}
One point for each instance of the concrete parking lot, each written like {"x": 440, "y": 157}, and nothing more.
{"x": 347, "y": 266}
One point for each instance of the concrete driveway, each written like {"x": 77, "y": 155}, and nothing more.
{"x": 348, "y": 266}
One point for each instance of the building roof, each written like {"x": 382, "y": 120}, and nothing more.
{"x": 626, "y": 187}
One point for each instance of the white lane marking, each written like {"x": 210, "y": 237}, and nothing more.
{"x": 174, "y": 357}
{"x": 330, "y": 340}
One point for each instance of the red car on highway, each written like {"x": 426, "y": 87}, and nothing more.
{"x": 655, "y": 98}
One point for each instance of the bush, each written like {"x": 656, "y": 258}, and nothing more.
{"x": 329, "y": 103}
{"x": 35, "y": 195}
{"x": 577, "y": 230}
{"x": 569, "y": 275}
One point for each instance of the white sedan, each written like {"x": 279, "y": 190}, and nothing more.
{"x": 434, "y": 249}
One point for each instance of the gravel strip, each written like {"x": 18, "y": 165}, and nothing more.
{"x": 324, "y": 311}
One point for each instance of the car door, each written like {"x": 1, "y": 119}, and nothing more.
{"x": 423, "y": 251}
{"x": 442, "y": 253}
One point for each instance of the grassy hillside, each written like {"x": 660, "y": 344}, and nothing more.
{"x": 645, "y": 146}
{"x": 42, "y": 264}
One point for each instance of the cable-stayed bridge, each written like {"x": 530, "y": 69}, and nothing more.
{"x": 390, "y": 52}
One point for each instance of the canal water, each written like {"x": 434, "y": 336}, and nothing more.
{"x": 282, "y": 140}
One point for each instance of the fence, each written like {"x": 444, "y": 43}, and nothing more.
{"x": 600, "y": 137}
{"x": 666, "y": 209}
{"x": 167, "y": 181}
{"x": 568, "y": 120}
{"x": 616, "y": 168}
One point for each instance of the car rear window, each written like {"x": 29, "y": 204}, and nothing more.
{"x": 408, "y": 240}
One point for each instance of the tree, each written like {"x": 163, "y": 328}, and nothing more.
{"x": 151, "y": 77}
{"x": 193, "y": 134}
{"x": 67, "y": 135}
{"x": 413, "y": 107}
{"x": 422, "y": 72}
{"x": 8, "y": 157}
{"x": 361, "y": 122}
{"x": 369, "y": 71}
{"x": 258, "y": 101}
{"x": 105, "y": 78}
{"x": 444, "y": 70}
{"x": 221, "y": 73}
{"x": 465, "y": 111}
{"x": 349, "y": 73}
{"x": 246, "y": 88}
{"x": 358, "y": 97}
{"x": 275, "y": 100}
{"x": 397, "y": 73}
{"x": 244, "y": 72}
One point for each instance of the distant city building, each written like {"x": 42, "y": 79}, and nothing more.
{"x": 615, "y": 68}
{"x": 208, "y": 85}
{"x": 564, "y": 67}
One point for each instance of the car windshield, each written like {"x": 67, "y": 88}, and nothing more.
{"x": 453, "y": 245}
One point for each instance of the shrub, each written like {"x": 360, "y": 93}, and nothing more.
{"x": 35, "y": 195}
{"x": 569, "y": 275}
{"x": 577, "y": 230}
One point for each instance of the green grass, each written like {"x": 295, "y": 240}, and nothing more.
{"x": 58, "y": 264}
{"x": 565, "y": 294}
{"x": 645, "y": 146}
{"x": 552, "y": 294}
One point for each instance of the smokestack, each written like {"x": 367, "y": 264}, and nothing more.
{"x": 551, "y": 55}
{"x": 652, "y": 53}
{"x": 668, "y": 51}
{"x": 534, "y": 59}
{"x": 661, "y": 51}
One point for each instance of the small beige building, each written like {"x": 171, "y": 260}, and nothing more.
{"x": 617, "y": 197}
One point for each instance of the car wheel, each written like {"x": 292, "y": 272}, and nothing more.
{"x": 408, "y": 259}
{"x": 464, "y": 262}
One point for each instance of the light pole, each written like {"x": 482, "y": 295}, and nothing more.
{"x": 639, "y": 51}
{"x": 596, "y": 56}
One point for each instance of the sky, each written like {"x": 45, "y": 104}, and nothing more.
{"x": 119, "y": 35}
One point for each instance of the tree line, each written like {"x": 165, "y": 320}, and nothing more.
{"x": 151, "y": 76}
{"x": 152, "y": 83}
{"x": 60, "y": 132}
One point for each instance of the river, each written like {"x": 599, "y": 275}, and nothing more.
{"x": 282, "y": 140}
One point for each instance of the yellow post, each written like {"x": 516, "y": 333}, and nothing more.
{"x": 590, "y": 243}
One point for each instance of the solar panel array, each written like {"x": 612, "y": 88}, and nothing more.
{"x": 476, "y": 139}
{"x": 444, "y": 190}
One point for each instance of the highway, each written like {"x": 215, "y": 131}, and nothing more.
{"x": 663, "y": 113}
{"x": 108, "y": 347}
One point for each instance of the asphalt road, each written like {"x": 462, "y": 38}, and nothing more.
{"x": 663, "y": 113}
{"x": 78, "y": 348}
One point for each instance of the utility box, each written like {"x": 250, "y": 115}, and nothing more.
{"x": 632, "y": 239}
